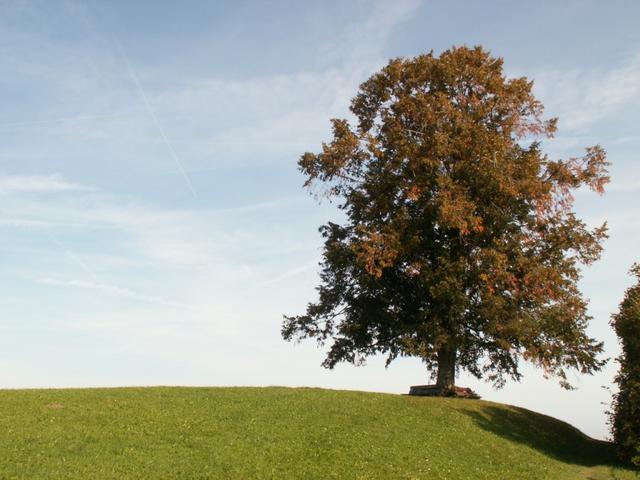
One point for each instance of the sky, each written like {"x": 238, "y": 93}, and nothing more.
{"x": 153, "y": 224}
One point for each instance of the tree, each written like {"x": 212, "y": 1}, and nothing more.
{"x": 625, "y": 416}
{"x": 460, "y": 246}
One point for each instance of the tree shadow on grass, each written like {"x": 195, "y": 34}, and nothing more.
{"x": 548, "y": 435}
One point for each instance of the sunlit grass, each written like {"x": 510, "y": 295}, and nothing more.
{"x": 174, "y": 433}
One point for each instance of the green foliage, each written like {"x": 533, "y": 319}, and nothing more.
{"x": 461, "y": 246}
{"x": 280, "y": 433}
{"x": 625, "y": 419}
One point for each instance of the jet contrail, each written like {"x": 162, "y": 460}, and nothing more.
{"x": 284, "y": 276}
{"x": 69, "y": 254}
{"x": 97, "y": 285}
{"x": 113, "y": 289}
{"x": 155, "y": 119}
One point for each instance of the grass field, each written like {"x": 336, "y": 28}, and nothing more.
{"x": 197, "y": 433}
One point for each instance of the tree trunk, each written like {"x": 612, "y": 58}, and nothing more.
{"x": 446, "y": 368}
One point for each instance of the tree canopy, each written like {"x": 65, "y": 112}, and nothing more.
{"x": 461, "y": 246}
{"x": 626, "y": 405}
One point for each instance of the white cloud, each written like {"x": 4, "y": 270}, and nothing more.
{"x": 363, "y": 41}
{"x": 580, "y": 98}
{"x": 113, "y": 290}
{"x": 38, "y": 184}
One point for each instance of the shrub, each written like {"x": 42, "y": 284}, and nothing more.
{"x": 625, "y": 415}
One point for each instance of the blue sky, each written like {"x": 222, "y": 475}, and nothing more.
{"x": 153, "y": 228}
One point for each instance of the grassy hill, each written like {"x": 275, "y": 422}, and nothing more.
{"x": 177, "y": 433}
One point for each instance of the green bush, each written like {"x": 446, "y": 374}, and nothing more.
{"x": 625, "y": 415}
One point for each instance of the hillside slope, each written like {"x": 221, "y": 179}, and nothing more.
{"x": 176, "y": 433}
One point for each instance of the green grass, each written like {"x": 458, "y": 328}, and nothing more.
{"x": 176, "y": 433}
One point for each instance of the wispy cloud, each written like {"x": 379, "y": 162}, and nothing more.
{"x": 112, "y": 289}
{"x": 39, "y": 184}
{"x": 49, "y": 121}
{"x": 582, "y": 97}
{"x": 172, "y": 237}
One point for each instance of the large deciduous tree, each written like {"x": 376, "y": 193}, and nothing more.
{"x": 461, "y": 246}
{"x": 625, "y": 418}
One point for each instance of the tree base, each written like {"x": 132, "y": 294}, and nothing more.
{"x": 437, "y": 391}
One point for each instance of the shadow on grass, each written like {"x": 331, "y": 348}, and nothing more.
{"x": 548, "y": 435}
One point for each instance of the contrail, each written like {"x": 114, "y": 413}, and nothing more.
{"x": 155, "y": 119}
{"x": 284, "y": 276}
{"x": 95, "y": 284}
{"x": 70, "y": 254}
{"x": 78, "y": 15}
{"x": 113, "y": 289}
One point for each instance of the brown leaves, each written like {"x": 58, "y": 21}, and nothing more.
{"x": 456, "y": 209}
{"x": 413, "y": 192}
{"x": 338, "y": 159}
{"x": 376, "y": 251}
{"x": 592, "y": 170}
{"x": 564, "y": 176}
